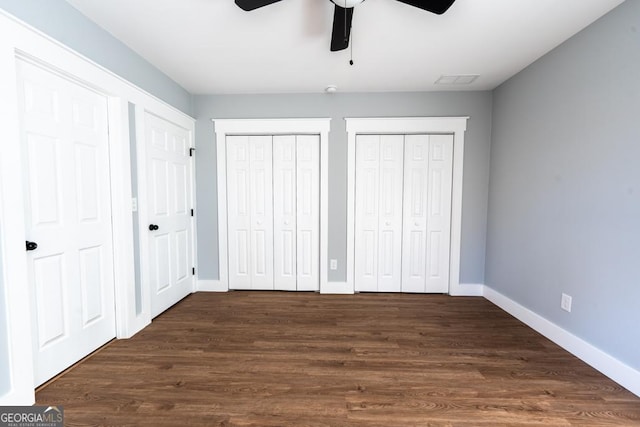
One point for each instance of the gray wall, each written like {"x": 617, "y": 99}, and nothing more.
{"x": 477, "y": 105}
{"x": 63, "y": 22}
{"x": 564, "y": 199}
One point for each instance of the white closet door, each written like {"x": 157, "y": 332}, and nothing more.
{"x": 439, "y": 212}
{"x": 250, "y": 208}
{"x": 68, "y": 214}
{"x": 284, "y": 212}
{"x": 390, "y": 213}
{"x": 414, "y": 246}
{"x": 366, "y": 212}
{"x": 169, "y": 191}
{"x": 239, "y": 214}
{"x": 308, "y": 212}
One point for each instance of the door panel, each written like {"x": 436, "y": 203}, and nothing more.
{"x": 284, "y": 212}
{"x": 308, "y": 212}
{"x": 366, "y": 212}
{"x": 169, "y": 190}
{"x": 239, "y": 224}
{"x": 261, "y": 207}
{"x": 439, "y": 212}
{"x": 414, "y": 250}
{"x": 64, "y": 132}
{"x": 390, "y": 213}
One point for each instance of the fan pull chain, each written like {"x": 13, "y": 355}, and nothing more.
{"x": 351, "y": 48}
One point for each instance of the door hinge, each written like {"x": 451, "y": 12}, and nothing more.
{"x": 191, "y": 150}
{"x": 193, "y": 271}
{"x": 191, "y": 212}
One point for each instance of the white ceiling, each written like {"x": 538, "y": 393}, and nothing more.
{"x": 212, "y": 46}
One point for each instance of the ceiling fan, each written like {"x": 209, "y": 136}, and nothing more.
{"x": 343, "y": 15}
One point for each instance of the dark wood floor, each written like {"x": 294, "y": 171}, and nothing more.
{"x": 304, "y": 359}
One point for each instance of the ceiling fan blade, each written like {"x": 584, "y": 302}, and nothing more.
{"x": 254, "y": 4}
{"x": 341, "y": 28}
{"x": 434, "y": 6}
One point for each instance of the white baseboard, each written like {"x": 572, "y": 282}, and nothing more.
{"x": 336, "y": 288}
{"x": 613, "y": 368}
{"x": 467, "y": 290}
{"x": 211, "y": 286}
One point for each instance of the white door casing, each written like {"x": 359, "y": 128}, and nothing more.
{"x": 225, "y": 128}
{"x": 65, "y": 141}
{"x": 455, "y": 126}
{"x": 169, "y": 199}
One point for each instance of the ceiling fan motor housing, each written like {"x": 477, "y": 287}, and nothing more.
{"x": 346, "y": 3}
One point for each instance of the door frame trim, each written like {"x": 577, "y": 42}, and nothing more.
{"x": 297, "y": 126}
{"x": 409, "y": 125}
{"x": 22, "y": 40}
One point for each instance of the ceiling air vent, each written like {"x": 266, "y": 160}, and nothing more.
{"x": 462, "y": 79}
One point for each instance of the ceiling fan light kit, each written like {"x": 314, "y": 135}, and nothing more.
{"x": 343, "y": 15}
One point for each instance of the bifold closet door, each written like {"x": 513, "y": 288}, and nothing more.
{"x": 403, "y": 212}
{"x": 296, "y": 210}
{"x": 250, "y": 210}
{"x": 379, "y": 186}
{"x": 273, "y": 187}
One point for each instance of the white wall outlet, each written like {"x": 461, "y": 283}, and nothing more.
{"x": 333, "y": 264}
{"x": 565, "y": 302}
{"x": 134, "y": 204}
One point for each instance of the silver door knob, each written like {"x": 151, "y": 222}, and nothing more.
{"x": 387, "y": 223}
{"x": 286, "y": 222}
{"x": 259, "y": 222}
{"x": 417, "y": 224}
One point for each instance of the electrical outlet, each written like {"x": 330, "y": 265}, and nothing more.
{"x": 134, "y": 204}
{"x": 565, "y": 302}
{"x": 333, "y": 264}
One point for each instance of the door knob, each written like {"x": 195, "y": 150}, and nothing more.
{"x": 387, "y": 223}
{"x": 31, "y": 246}
{"x": 286, "y": 222}
{"x": 417, "y": 224}
{"x": 153, "y": 227}
{"x": 259, "y": 222}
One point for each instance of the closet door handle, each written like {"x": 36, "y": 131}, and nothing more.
{"x": 32, "y": 246}
{"x": 153, "y": 227}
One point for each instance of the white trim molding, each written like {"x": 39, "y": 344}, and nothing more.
{"x": 613, "y": 368}
{"x": 211, "y": 286}
{"x": 297, "y": 126}
{"x": 468, "y": 290}
{"x": 410, "y": 125}
{"x": 337, "y": 288}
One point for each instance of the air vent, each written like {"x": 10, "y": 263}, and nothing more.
{"x": 462, "y": 79}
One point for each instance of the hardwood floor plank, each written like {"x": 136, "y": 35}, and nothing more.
{"x": 304, "y": 359}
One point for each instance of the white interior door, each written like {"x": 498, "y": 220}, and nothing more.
{"x": 250, "y": 210}
{"x": 403, "y": 212}
{"x": 68, "y": 215}
{"x": 170, "y": 236}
